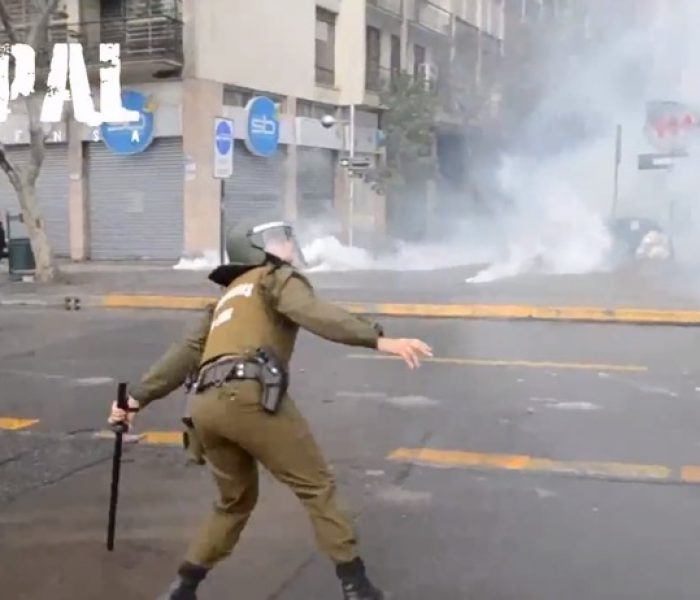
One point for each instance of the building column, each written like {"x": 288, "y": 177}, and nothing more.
{"x": 202, "y": 102}
{"x": 291, "y": 168}
{"x": 78, "y": 219}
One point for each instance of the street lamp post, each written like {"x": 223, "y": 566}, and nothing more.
{"x": 329, "y": 121}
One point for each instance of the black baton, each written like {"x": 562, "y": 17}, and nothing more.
{"x": 119, "y": 429}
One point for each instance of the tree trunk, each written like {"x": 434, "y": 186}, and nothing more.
{"x": 46, "y": 270}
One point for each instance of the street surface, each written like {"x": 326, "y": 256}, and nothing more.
{"x": 528, "y": 461}
{"x": 657, "y": 285}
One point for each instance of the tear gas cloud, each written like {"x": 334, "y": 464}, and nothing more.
{"x": 553, "y": 192}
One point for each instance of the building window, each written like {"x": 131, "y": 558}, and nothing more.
{"x": 373, "y": 59}
{"x": 313, "y": 110}
{"x": 325, "y": 47}
{"x": 418, "y": 60}
{"x": 236, "y": 97}
{"x": 395, "y": 58}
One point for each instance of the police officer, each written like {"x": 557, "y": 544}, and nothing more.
{"x": 241, "y": 412}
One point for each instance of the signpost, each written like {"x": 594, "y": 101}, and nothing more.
{"x": 618, "y": 160}
{"x": 223, "y": 169}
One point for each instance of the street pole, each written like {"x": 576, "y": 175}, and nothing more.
{"x": 352, "y": 178}
{"x": 222, "y": 225}
{"x": 618, "y": 159}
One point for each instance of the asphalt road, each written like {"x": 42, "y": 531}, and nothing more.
{"x": 529, "y": 461}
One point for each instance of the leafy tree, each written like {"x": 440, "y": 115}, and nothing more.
{"x": 408, "y": 123}
{"x": 24, "y": 177}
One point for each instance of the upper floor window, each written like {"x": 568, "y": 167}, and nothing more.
{"x": 418, "y": 60}
{"x": 373, "y": 59}
{"x": 325, "y": 46}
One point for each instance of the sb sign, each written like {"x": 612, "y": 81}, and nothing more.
{"x": 263, "y": 126}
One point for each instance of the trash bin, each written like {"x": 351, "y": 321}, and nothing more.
{"x": 20, "y": 258}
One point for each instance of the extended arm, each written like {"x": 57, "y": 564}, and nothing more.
{"x": 296, "y": 300}
{"x": 171, "y": 370}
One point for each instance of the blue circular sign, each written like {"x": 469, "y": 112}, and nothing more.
{"x": 263, "y": 126}
{"x": 224, "y": 136}
{"x": 131, "y": 138}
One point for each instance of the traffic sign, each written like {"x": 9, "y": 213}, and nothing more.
{"x": 355, "y": 163}
{"x": 223, "y": 148}
{"x": 658, "y": 161}
{"x": 131, "y": 138}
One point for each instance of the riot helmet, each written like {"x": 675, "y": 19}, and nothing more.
{"x": 276, "y": 238}
{"x": 241, "y": 250}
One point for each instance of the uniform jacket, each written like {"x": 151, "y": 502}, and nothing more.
{"x": 265, "y": 306}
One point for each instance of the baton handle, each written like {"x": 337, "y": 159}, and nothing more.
{"x": 123, "y": 404}
{"x": 119, "y": 429}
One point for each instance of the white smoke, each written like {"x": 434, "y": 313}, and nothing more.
{"x": 550, "y": 207}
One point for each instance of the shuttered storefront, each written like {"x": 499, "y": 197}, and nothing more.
{"x": 255, "y": 192}
{"x": 315, "y": 182}
{"x": 52, "y": 194}
{"x": 136, "y": 202}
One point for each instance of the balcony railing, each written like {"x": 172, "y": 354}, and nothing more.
{"x": 141, "y": 39}
{"x": 384, "y": 79}
{"x": 378, "y": 79}
{"x": 431, "y": 16}
{"x": 390, "y": 6}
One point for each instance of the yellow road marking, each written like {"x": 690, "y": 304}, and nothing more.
{"x": 165, "y": 438}
{"x": 14, "y": 424}
{"x": 528, "y": 364}
{"x": 691, "y": 473}
{"x": 444, "y": 311}
{"x": 163, "y": 302}
{"x": 168, "y": 438}
{"x": 515, "y": 462}
{"x": 522, "y": 311}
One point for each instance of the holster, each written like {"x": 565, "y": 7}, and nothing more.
{"x": 191, "y": 443}
{"x": 273, "y": 378}
{"x": 262, "y": 366}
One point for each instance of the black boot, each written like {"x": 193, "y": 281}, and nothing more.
{"x": 185, "y": 587}
{"x": 356, "y": 585}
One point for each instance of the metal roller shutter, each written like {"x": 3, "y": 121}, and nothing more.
{"x": 256, "y": 189}
{"x": 136, "y": 202}
{"x": 52, "y": 194}
{"x": 315, "y": 181}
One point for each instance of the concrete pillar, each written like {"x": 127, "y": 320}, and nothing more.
{"x": 291, "y": 169}
{"x": 78, "y": 220}
{"x": 202, "y": 101}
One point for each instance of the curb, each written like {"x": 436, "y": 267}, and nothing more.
{"x": 496, "y": 312}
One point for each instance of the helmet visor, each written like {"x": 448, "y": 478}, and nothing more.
{"x": 278, "y": 239}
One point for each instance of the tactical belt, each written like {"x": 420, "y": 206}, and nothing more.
{"x": 225, "y": 370}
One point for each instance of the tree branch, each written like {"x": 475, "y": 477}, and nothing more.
{"x": 42, "y": 20}
{"x": 7, "y": 23}
{"x": 9, "y": 167}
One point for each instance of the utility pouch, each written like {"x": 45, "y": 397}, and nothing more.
{"x": 191, "y": 443}
{"x": 273, "y": 378}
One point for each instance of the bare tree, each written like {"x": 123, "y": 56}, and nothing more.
{"x": 24, "y": 177}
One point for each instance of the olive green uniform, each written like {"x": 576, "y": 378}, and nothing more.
{"x": 263, "y": 307}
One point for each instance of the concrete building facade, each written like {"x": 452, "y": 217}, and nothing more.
{"x": 192, "y": 61}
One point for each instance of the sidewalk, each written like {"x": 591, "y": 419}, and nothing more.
{"x": 651, "y": 292}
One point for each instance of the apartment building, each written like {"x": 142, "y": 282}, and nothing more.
{"x": 185, "y": 62}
